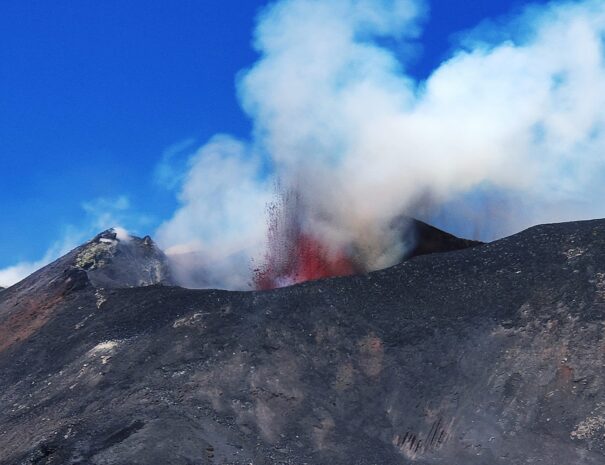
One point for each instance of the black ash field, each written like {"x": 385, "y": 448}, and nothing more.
{"x": 493, "y": 354}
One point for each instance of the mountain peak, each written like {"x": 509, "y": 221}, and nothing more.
{"x": 115, "y": 259}
{"x": 111, "y": 260}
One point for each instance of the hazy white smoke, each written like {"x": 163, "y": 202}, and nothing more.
{"x": 220, "y": 229}
{"x": 520, "y": 117}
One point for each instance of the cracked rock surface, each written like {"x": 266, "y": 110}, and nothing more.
{"x": 489, "y": 355}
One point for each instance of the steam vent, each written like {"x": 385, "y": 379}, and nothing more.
{"x": 467, "y": 354}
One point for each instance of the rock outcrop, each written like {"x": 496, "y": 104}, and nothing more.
{"x": 111, "y": 261}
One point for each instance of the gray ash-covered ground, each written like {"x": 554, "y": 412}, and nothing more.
{"x": 489, "y": 355}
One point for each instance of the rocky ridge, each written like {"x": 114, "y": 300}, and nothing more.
{"x": 129, "y": 261}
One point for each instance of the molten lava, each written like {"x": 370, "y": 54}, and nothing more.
{"x": 294, "y": 256}
{"x": 306, "y": 259}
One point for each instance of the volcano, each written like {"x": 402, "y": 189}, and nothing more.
{"x": 485, "y": 354}
{"x": 305, "y": 258}
{"x": 296, "y": 254}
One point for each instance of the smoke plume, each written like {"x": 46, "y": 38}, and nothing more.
{"x": 505, "y": 133}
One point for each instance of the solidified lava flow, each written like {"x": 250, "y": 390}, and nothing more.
{"x": 294, "y": 255}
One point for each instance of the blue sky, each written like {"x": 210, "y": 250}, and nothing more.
{"x": 94, "y": 95}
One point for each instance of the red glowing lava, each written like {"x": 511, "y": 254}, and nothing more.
{"x": 294, "y": 256}
{"x": 306, "y": 259}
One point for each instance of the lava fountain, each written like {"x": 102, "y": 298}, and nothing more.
{"x": 295, "y": 255}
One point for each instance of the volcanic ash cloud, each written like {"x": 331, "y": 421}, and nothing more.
{"x": 338, "y": 121}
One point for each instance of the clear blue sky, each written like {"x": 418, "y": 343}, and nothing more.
{"x": 93, "y": 92}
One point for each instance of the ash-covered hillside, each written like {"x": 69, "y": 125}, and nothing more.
{"x": 492, "y": 354}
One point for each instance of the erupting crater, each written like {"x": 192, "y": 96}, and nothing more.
{"x": 305, "y": 259}
{"x": 294, "y": 255}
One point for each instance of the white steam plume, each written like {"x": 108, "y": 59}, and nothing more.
{"x": 341, "y": 122}
{"x": 221, "y": 227}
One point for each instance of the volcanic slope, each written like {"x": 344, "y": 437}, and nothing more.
{"x": 489, "y": 355}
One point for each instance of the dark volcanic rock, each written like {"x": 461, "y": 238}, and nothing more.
{"x": 483, "y": 356}
{"x": 427, "y": 239}
{"x": 127, "y": 262}
{"x": 103, "y": 263}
